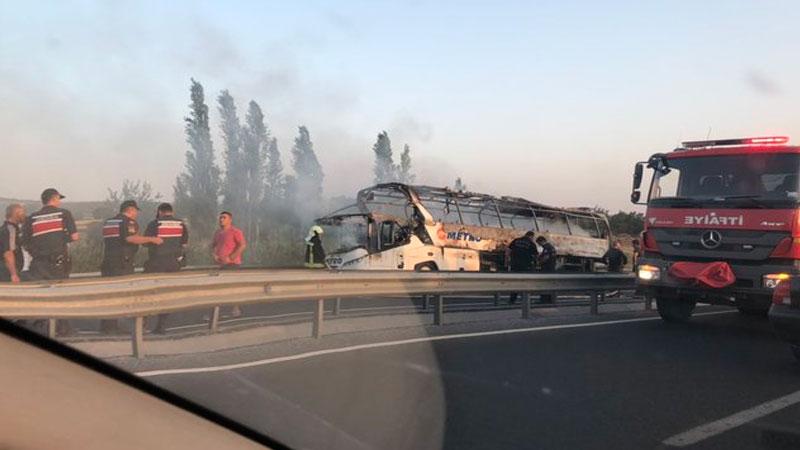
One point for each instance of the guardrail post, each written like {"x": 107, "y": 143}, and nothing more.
{"x": 137, "y": 337}
{"x": 594, "y": 298}
{"x": 319, "y": 313}
{"x": 648, "y": 303}
{"x": 51, "y": 328}
{"x": 496, "y": 299}
{"x": 213, "y": 322}
{"x": 526, "y": 305}
{"x": 425, "y": 301}
{"x": 438, "y": 309}
{"x": 337, "y": 306}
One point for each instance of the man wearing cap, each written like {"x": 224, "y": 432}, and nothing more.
{"x": 169, "y": 256}
{"x": 121, "y": 241}
{"x": 46, "y": 234}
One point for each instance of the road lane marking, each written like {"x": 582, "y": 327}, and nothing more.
{"x": 306, "y": 355}
{"x": 720, "y": 426}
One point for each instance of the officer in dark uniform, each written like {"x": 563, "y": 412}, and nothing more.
{"x": 170, "y": 255}
{"x": 121, "y": 241}
{"x": 547, "y": 263}
{"x": 46, "y": 234}
{"x": 521, "y": 255}
{"x": 11, "y": 257}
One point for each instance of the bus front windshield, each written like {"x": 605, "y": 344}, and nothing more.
{"x": 740, "y": 181}
{"x": 345, "y": 233}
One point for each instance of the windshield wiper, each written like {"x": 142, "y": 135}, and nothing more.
{"x": 678, "y": 201}
{"x": 753, "y": 199}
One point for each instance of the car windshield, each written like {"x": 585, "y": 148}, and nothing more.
{"x": 407, "y": 224}
{"x": 729, "y": 180}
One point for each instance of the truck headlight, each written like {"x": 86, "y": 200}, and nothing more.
{"x": 647, "y": 272}
{"x": 772, "y": 280}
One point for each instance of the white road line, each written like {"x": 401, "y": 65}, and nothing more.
{"x": 720, "y": 426}
{"x": 306, "y": 355}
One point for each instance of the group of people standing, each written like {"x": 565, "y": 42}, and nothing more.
{"x": 523, "y": 255}
{"x": 47, "y": 233}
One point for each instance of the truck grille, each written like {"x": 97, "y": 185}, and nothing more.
{"x": 735, "y": 245}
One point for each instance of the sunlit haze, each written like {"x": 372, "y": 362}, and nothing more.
{"x": 553, "y": 101}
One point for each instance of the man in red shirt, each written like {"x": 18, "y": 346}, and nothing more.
{"x": 228, "y": 244}
{"x": 227, "y": 248}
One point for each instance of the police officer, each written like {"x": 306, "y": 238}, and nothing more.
{"x": 121, "y": 241}
{"x": 11, "y": 244}
{"x": 547, "y": 263}
{"x": 521, "y": 254}
{"x": 315, "y": 253}
{"x": 169, "y": 256}
{"x": 46, "y": 234}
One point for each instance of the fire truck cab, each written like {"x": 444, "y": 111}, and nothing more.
{"x": 722, "y": 224}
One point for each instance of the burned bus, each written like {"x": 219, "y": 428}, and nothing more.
{"x": 395, "y": 226}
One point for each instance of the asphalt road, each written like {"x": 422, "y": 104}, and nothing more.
{"x": 633, "y": 383}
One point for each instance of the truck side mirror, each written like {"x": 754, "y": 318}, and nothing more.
{"x": 638, "y": 173}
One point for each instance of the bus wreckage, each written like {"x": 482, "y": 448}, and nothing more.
{"x": 395, "y": 226}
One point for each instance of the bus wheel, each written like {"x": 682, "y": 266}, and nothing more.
{"x": 426, "y": 267}
{"x": 676, "y": 310}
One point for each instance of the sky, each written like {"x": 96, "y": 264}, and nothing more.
{"x": 554, "y": 101}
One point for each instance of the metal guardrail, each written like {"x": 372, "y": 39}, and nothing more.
{"x": 137, "y": 296}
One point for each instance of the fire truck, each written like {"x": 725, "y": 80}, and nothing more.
{"x": 722, "y": 224}
{"x": 395, "y": 226}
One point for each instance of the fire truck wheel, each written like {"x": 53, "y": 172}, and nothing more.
{"x": 675, "y": 309}
{"x": 426, "y": 267}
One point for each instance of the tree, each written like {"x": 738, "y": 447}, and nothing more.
{"x": 385, "y": 169}
{"x": 197, "y": 189}
{"x": 255, "y": 137}
{"x": 630, "y": 223}
{"x": 405, "y": 174}
{"x": 307, "y": 169}
{"x": 459, "y": 185}
{"x": 234, "y": 186}
{"x": 274, "y": 177}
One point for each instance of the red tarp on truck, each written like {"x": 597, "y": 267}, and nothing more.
{"x": 715, "y": 274}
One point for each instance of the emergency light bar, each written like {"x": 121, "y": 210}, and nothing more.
{"x": 766, "y": 140}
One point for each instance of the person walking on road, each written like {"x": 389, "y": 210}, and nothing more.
{"x": 170, "y": 255}
{"x": 547, "y": 263}
{"x": 614, "y": 258}
{"x": 11, "y": 244}
{"x": 521, "y": 254}
{"x": 121, "y": 241}
{"x": 228, "y": 244}
{"x": 637, "y": 252}
{"x": 227, "y": 248}
{"x": 315, "y": 253}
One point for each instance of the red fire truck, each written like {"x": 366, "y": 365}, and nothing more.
{"x": 722, "y": 224}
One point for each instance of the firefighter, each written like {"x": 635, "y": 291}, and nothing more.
{"x": 46, "y": 234}
{"x": 11, "y": 244}
{"x": 170, "y": 255}
{"x": 547, "y": 263}
{"x": 121, "y": 241}
{"x": 315, "y": 253}
{"x": 521, "y": 254}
